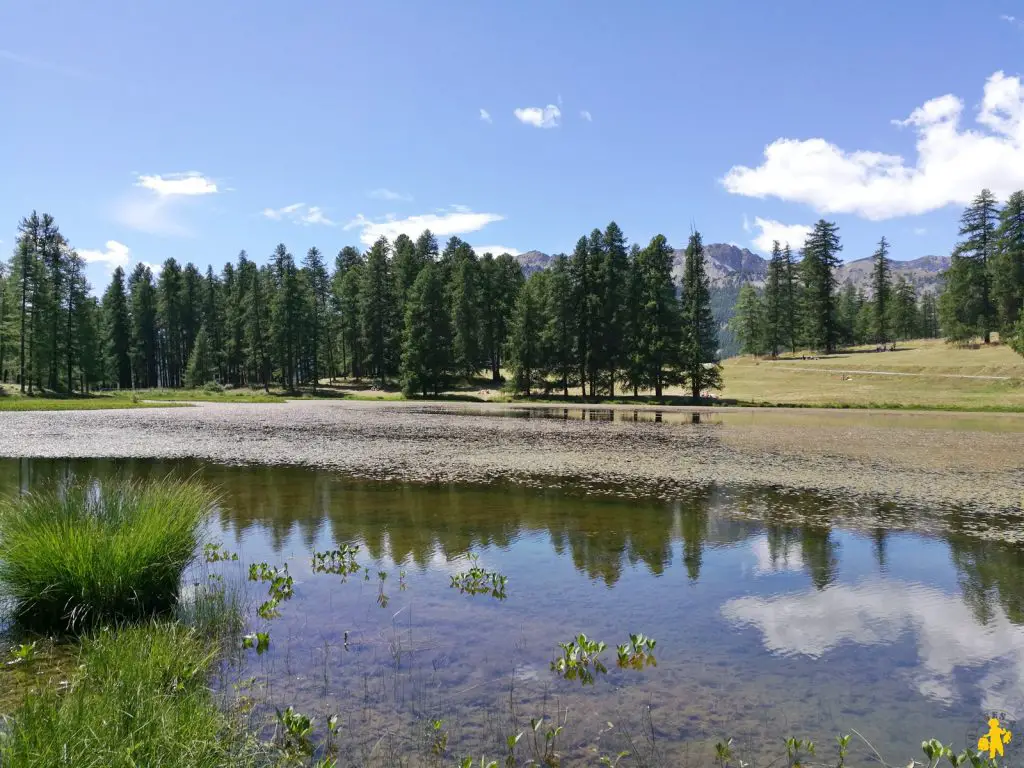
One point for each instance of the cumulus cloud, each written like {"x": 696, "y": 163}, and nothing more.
{"x": 539, "y": 117}
{"x": 299, "y": 213}
{"x": 381, "y": 193}
{"x": 496, "y": 250}
{"x": 189, "y": 183}
{"x": 585, "y": 114}
{"x": 114, "y": 255}
{"x": 485, "y": 115}
{"x": 953, "y": 162}
{"x": 457, "y": 221}
{"x": 879, "y": 612}
{"x": 770, "y": 230}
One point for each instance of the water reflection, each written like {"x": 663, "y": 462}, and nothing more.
{"x": 770, "y": 607}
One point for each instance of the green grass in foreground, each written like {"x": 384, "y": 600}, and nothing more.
{"x": 140, "y": 697}
{"x": 79, "y": 556}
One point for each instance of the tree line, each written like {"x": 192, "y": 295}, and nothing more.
{"x": 403, "y": 312}
{"x": 801, "y": 305}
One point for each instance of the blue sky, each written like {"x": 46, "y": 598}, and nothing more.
{"x": 196, "y": 129}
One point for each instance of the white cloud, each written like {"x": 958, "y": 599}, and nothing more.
{"x": 585, "y": 114}
{"x": 1012, "y": 20}
{"x": 546, "y": 117}
{"x": 190, "y": 183}
{"x": 485, "y": 115}
{"x": 771, "y": 230}
{"x": 496, "y": 250}
{"x": 381, "y": 193}
{"x": 457, "y": 221}
{"x": 953, "y": 164}
{"x": 879, "y": 612}
{"x": 115, "y": 255}
{"x": 790, "y": 558}
{"x": 299, "y": 213}
{"x": 920, "y": 231}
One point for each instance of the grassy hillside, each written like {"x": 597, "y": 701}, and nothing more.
{"x": 925, "y": 373}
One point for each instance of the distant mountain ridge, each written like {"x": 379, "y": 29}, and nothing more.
{"x": 731, "y": 264}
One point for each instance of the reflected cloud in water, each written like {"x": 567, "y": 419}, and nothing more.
{"x": 881, "y": 611}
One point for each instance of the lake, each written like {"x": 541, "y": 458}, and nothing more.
{"x": 776, "y": 613}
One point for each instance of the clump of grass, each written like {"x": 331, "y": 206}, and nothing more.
{"x": 91, "y": 554}
{"x": 139, "y": 697}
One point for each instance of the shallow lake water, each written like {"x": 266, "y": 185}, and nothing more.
{"x": 771, "y": 620}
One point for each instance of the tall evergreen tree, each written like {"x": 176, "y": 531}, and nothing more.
{"x": 53, "y": 251}
{"x": 560, "y": 325}
{"x": 775, "y": 328}
{"x": 319, "y": 285}
{"x": 658, "y": 333}
{"x": 76, "y": 295}
{"x": 930, "y": 328}
{"x": 904, "y": 310}
{"x": 790, "y": 303}
{"x": 118, "y": 331}
{"x": 234, "y": 323}
{"x": 881, "y": 280}
{"x": 1008, "y": 264}
{"x": 407, "y": 265}
{"x": 347, "y": 283}
{"x": 286, "y": 314}
{"x": 256, "y": 320}
{"x": 847, "y": 310}
{"x": 525, "y": 350}
{"x": 464, "y": 296}
{"x": 142, "y": 302}
{"x": 967, "y": 306}
{"x": 821, "y": 258}
{"x": 191, "y": 304}
{"x": 201, "y": 363}
{"x": 378, "y": 313}
{"x": 27, "y": 277}
{"x": 749, "y": 323}
{"x": 611, "y": 299}
{"x": 501, "y": 279}
{"x": 699, "y": 350}
{"x": 583, "y": 300}
{"x": 170, "y": 312}
{"x": 426, "y": 344}
{"x": 213, "y": 320}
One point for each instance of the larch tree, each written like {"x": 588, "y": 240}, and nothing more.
{"x": 968, "y": 308}
{"x": 748, "y": 324}
{"x": 581, "y": 274}
{"x": 524, "y": 348}
{"x": 775, "y": 301}
{"x": 320, "y": 327}
{"x": 286, "y": 314}
{"x": 464, "y": 297}
{"x": 256, "y": 320}
{"x": 1008, "y": 264}
{"x": 559, "y": 334}
{"x": 142, "y": 303}
{"x": 790, "y": 303}
{"x": 201, "y": 364}
{"x": 169, "y": 316}
{"x": 699, "y": 350}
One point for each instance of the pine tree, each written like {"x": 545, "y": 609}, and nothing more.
{"x": 930, "y": 316}
{"x": 256, "y": 320}
{"x": 501, "y": 279}
{"x": 53, "y": 251}
{"x": 611, "y": 300}
{"x": 118, "y": 331}
{"x": 749, "y": 323}
{"x": 286, "y": 314}
{"x": 1008, "y": 264}
{"x": 881, "y": 288}
{"x": 142, "y": 304}
{"x": 319, "y": 286}
{"x": 347, "y": 283}
{"x": 559, "y": 334}
{"x": 169, "y": 297}
{"x": 525, "y": 351}
{"x": 699, "y": 353}
{"x": 634, "y": 362}
{"x": 407, "y": 264}
{"x": 775, "y": 324}
{"x": 191, "y": 304}
{"x": 847, "y": 309}
{"x": 904, "y": 310}
{"x": 426, "y": 346}
{"x": 658, "y": 333}
{"x": 970, "y": 307}
{"x": 790, "y": 304}
{"x": 821, "y": 258}
{"x": 213, "y": 319}
{"x": 26, "y": 275}
{"x": 464, "y": 297}
{"x": 76, "y": 295}
{"x": 201, "y": 364}
{"x": 581, "y": 272}
{"x": 234, "y": 323}
{"x": 378, "y": 320}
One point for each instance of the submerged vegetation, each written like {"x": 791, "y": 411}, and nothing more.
{"x": 90, "y": 554}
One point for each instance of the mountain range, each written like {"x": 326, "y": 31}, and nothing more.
{"x": 731, "y": 265}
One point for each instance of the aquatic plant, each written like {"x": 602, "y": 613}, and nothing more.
{"x": 22, "y": 654}
{"x": 282, "y": 587}
{"x": 340, "y": 561}
{"x": 579, "y": 660}
{"x": 637, "y": 653}
{"x": 477, "y": 581}
{"x": 88, "y": 554}
{"x": 295, "y": 731}
{"x": 258, "y": 640}
{"x": 215, "y": 553}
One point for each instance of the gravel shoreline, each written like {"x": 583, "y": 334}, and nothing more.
{"x": 454, "y": 443}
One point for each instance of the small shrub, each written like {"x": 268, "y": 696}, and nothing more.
{"x": 213, "y": 387}
{"x": 89, "y": 554}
